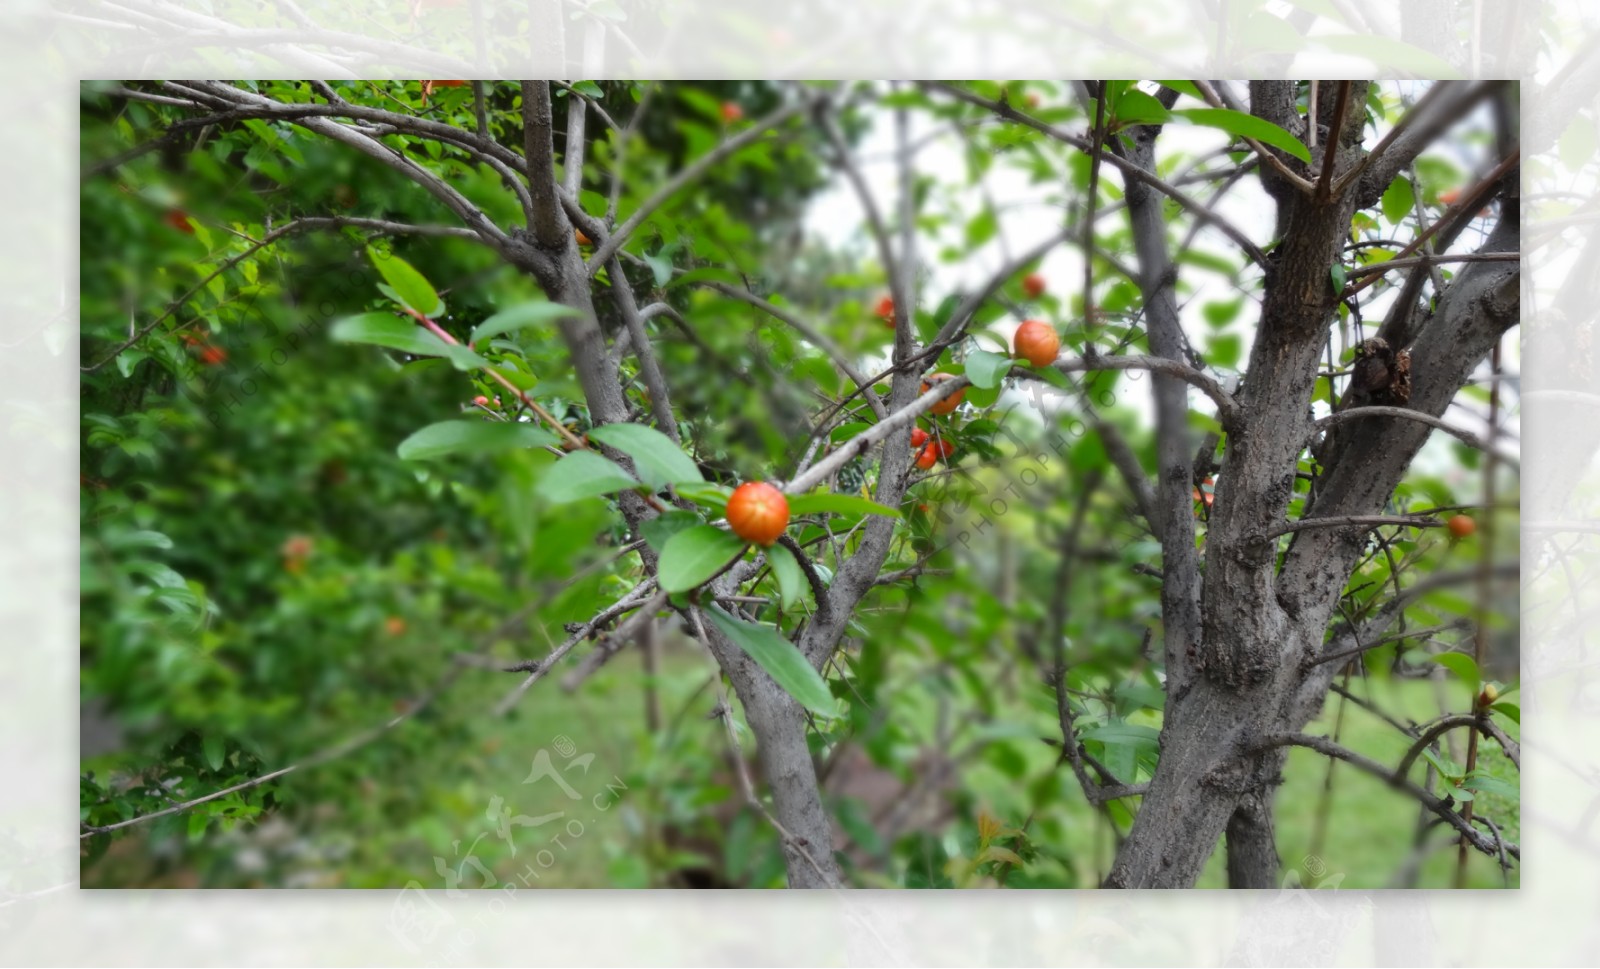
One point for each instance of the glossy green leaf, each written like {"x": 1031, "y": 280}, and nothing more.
{"x": 694, "y": 555}
{"x": 791, "y": 580}
{"x": 818, "y": 502}
{"x": 1247, "y": 126}
{"x": 1398, "y": 200}
{"x": 986, "y": 369}
{"x": 713, "y": 496}
{"x": 411, "y": 287}
{"x": 782, "y": 661}
{"x": 583, "y": 474}
{"x": 388, "y": 330}
{"x": 658, "y": 459}
{"x": 1462, "y": 665}
{"x": 659, "y": 530}
{"x": 517, "y": 317}
{"x": 214, "y": 749}
{"x": 471, "y": 437}
{"x": 1136, "y": 107}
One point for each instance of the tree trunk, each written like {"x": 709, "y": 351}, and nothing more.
{"x": 1252, "y": 850}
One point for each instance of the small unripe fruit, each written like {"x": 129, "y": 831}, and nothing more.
{"x": 1036, "y": 343}
{"x": 929, "y": 456}
{"x": 1461, "y": 526}
{"x": 1033, "y": 285}
{"x": 885, "y": 311}
{"x": 1488, "y": 695}
{"x": 758, "y": 512}
{"x": 949, "y": 403}
{"x": 394, "y": 626}
{"x": 731, "y": 112}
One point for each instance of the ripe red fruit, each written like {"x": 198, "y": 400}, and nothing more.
{"x": 1033, "y": 285}
{"x": 885, "y": 311}
{"x": 758, "y": 512}
{"x": 1461, "y": 526}
{"x": 731, "y": 112}
{"x": 946, "y": 448}
{"x": 928, "y": 457}
{"x": 1037, "y": 343}
{"x": 481, "y": 401}
{"x": 949, "y": 403}
{"x": 919, "y": 437}
{"x": 211, "y": 356}
{"x": 179, "y": 219}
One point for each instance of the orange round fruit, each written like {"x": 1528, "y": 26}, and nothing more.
{"x": 885, "y": 311}
{"x": 583, "y": 240}
{"x": 949, "y": 403}
{"x": 758, "y": 512}
{"x": 928, "y": 457}
{"x": 731, "y": 112}
{"x": 1033, "y": 285}
{"x": 1461, "y": 526}
{"x": 1036, "y": 343}
{"x": 946, "y": 448}
{"x": 919, "y": 437}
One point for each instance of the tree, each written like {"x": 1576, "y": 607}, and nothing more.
{"x": 639, "y": 253}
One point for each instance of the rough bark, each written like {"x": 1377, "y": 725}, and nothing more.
{"x": 1261, "y": 629}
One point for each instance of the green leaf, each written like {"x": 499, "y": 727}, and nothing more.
{"x": 1247, "y": 126}
{"x": 583, "y": 474}
{"x": 1223, "y": 350}
{"x": 825, "y": 501}
{"x": 713, "y": 496}
{"x": 791, "y": 580}
{"x": 523, "y": 315}
{"x": 1338, "y": 275}
{"x": 658, "y": 459}
{"x": 1462, "y": 665}
{"x": 410, "y": 286}
{"x": 982, "y": 228}
{"x": 198, "y": 821}
{"x": 1220, "y": 314}
{"x": 986, "y": 369}
{"x": 781, "y": 659}
{"x": 694, "y": 555}
{"x": 1509, "y": 710}
{"x": 1184, "y": 87}
{"x": 1134, "y": 734}
{"x": 388, "y": 330}
{"x": 215, "y": 750}
{"x": 1485, "y": 783}
{"x": 1398, "y": 200}
{"x": 1137, "y": 107}
{"x": 658, "y": 531}
{"x": 471, "y": 437}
